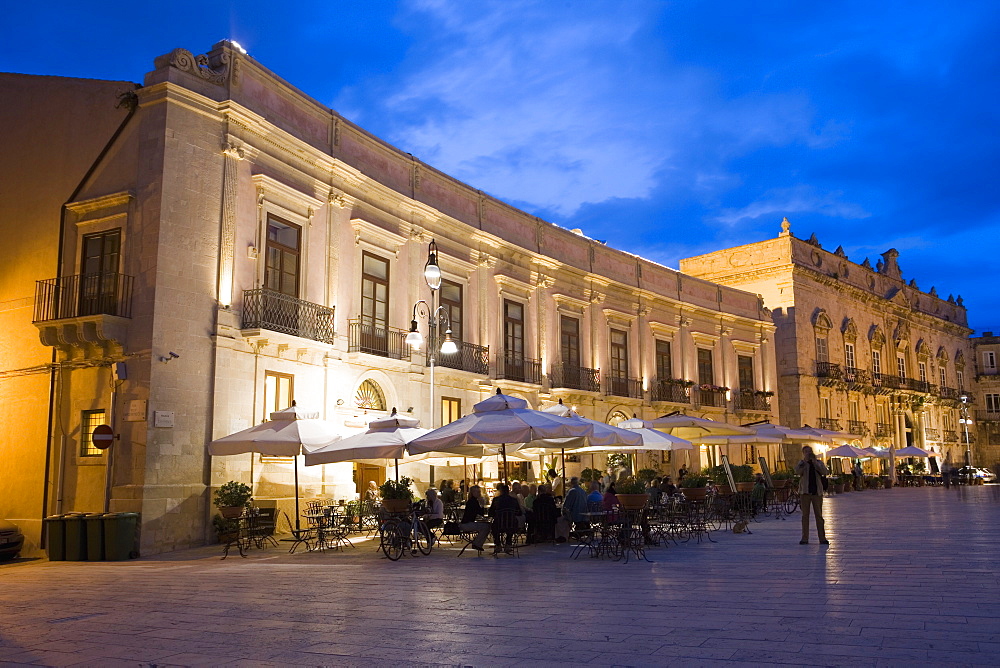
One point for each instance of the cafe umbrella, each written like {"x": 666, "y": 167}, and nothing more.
{"x": 386, "y": 438}
{"x": 286, "y": 434}
{"x": 497, "y": 421}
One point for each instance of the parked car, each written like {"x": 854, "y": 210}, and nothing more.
{"x": 11, "y": 540}
{"x": 983, "y": 474}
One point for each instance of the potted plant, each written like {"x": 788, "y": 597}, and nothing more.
{"x": 225, "y": 529}
{"x": 231, "y": 498}
{"x": 838, "y": 484}
{"x": 396, "y": 495}
{"x": 631, "y": 493}
{"x": 693, "y": 486}
{"x": 783, "y": 479}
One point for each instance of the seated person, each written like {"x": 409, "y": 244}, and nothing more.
{"x": 575, "y": 503}
{"x": 501, "y": 502}
{"x": 448, "y": 492}
{"x": 545, "y": 513}
{"x": 434, "y": 512}
{"x": 595, "y": 499}
{"x": 470, "y": 518}
{"x": 610, "y": 498}
{"x": 667, "y": 486}
{"x": 372, "y": 492}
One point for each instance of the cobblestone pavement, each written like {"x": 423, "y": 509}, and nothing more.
{"x": 910, "y": 578}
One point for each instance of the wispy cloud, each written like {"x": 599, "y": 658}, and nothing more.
{"x": 788, "y": 201}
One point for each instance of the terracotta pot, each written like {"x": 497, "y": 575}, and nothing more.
{"x": 781, "y": 484}
{"x": 632, "y": 501}
{"x": 396, "y": 505}
{"x": 231, "y": 512}
{"x": 744, "y": 487}
{"x": 694, "y": 493}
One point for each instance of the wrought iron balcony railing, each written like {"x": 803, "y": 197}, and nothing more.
{"x": 278, "y": 312}
{"x": 512, "y": 366}
{"x": 620, "y": 386}
{"x": 932, "y": 434}
{"x": 988, "y": 416}
{"x": 858, "y": 427}
{"x": 950, "y": 436}
{"x": 666, "y": 390}
{"x": 470, "y": 357}
{"x": 713, "y": 398}
{"x": 883, "y": 429}
{"x": 828, "y": 370}
{"x": 948, "y": 392}
{"x": 887, "y": 381}
{"x": 916, "y": 385}
{"x": 374, "y": 339}
{"x": 829, "y": 423}
{"x": 83, "y": 295}
{"x": 856, "y": 376}
{"x": 750, "y": 401}
{"x": 576, "y": 377}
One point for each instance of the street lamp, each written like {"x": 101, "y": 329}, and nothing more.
{"x": 965, "y": 421}
{"x": 436, "y": 316}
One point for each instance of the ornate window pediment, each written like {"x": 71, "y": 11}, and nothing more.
{"x": 877, "y": 337}
{"x": 923, "y": 350}
{"x": 821, "y": 321}
{"x": 850, "y": 330}
{"x": 942, "y": 355}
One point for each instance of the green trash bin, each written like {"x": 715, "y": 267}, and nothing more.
{"x": 119, "y": 536}
{"x": 76, "y": 536}
{"x": 55, "y": 543}
{"x": 94, "y": 523}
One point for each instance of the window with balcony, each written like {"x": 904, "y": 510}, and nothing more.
{"x": 992, "y": 403}
{"x": 470, "y": 357}
{"x": 569, "y": 342}
{"x": 849, "y": 359}
{"x": 960, "y": 377}
{"x": 89, "y": 421}
{"x": 877, "y": 363}
{"x": 281, "y": 268}
{"x": 619, "y": 353}
{"x": 371, "y": 333}
{"x": 664, "y": 363}
{"x": 822, "y": 349}
{"x": 744, "y": 371}
{"x": 101, "y": 254}
{"x": 569, "y": 372}
{"x": 942, "y": 377}
{"x": 922, "y": 371}
{"x": 989, "y": 362}
{"x": 901, "y": 366}
{"x": 706, "y": 371}
{"x": 514, "y": 365}
{"x": 451, "y": 299}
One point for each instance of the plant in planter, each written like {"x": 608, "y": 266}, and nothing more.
{"x": 225, "y": 529}
{"x": 646, "y": 476}
{"x": 396, "y": 494}
{"x": 631, "y": 493}
{"x": 590, "y": 475}
{"x": 693, "y": 486}
{"x": 785, "y": 478}
{"x": 231, "y": 498}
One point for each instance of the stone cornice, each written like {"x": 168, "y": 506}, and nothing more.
{"x": 103, "y": 203}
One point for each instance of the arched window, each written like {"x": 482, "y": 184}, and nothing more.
{"x": 370, "y": 396}
{"x": 616, "y": 417}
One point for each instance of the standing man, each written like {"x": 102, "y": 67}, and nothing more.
{"x": 681, "y": 473}
{"x": 810, "y": 472}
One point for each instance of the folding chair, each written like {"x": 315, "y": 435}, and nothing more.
{"x": 299, "y": 536}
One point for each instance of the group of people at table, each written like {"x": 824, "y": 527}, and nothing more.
{"x": 536, "y": 508}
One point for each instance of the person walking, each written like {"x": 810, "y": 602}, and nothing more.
{"x": 810, "y": 471}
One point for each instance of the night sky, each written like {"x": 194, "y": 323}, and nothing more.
{"x": 666, "y": 129}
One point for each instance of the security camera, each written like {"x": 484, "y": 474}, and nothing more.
{"x": 174, "y": 355}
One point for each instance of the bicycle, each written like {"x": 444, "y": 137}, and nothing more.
{"x": 397, "y": 535}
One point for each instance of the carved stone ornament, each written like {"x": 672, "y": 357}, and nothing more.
{"x": 186, "y": 61}
{"x": 234, "y": 151}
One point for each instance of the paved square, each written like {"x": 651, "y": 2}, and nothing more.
{"x": 910, "y": 578}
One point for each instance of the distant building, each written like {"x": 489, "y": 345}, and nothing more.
{"x": 859, "y": 349}
{"x": 235, "y": 245}
{"x": 985, "y": 403}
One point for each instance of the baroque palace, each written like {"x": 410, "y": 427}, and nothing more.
{"x": 193, "y": 253}
{"x": 203, "y": 249}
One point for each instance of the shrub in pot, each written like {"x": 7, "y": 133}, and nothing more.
{"x": 693, "y": 486}
{"x": 225, "y": 529}
{"x": 396, "y": 494}
{"x": 231, "y": 498}
{"x": 631, "y": 493}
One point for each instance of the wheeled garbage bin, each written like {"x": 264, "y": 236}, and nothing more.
{"x": 76, "y": 536}
{"x": 94, "y": 523}
{"x": 55, "y": 545}
{"x": 119, "y": 536}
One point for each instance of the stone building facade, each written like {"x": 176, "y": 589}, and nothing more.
{"x": 860, "y": 350}
{"x": 984, "y": 409}
{"x": 239, "y": 246}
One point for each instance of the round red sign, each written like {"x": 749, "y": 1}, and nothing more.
{"x": 102, "y": 437}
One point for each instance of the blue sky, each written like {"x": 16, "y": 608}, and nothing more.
{"x": 666, "y": 129}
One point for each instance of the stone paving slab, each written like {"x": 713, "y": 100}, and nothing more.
{"x": 909, "y": 579}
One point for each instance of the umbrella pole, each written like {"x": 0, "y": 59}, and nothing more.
{"x": 465, "y": 473}
{"x": 503, "y": 451}
{"x": 397, "y": 468}
{"x": 564, "y": 472}
{"x": 297, "y": 527}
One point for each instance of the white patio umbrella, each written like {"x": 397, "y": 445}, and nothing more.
{"x": 386, "y": 438}
{"x": 881, "y": 453}
{"x": 848, "y": 451}
{"x": 693, "y": 428}
{"x": 834, "y": 436}
{"x": 787, "y": 434}
{"x": 497, "y": 421}
{"x": 284, "y": 435}
{"x": 912, "y": 451}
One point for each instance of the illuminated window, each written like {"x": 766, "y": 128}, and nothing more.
{"x": 664, "y": 363}
{"x": 849, "y": 359}
{"x": 901, "y": 366}
{"x": 877, "y": 363}
{"x": 942, "y": 377}
{"x": 822, "y": 351}
{"x": 706, "y": 372}
{"x": 615, "y": 418}
{"x": 278, "y": 395}
{"x": 922, "y": 369}
{"x": 369, "y": 396}
{"x": 744, "y": 369}
{"x": 451, "y": 409}
{"x": 90, "y": 420}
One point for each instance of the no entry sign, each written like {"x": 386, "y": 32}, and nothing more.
{"x": 102, "y": 437}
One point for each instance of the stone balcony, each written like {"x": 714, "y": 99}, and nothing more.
{"x": 85, "y": 316}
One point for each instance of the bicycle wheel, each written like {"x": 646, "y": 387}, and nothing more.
{"x": 792, "y": 504}
{"x": 392, "y": 541}
{"x": 423, "y": 538}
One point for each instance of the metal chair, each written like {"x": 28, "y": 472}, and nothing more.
{"x": 505, "y": 533}
{"x": 299, "y": 536}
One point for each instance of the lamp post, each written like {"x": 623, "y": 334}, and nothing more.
{"x": 965, "y": 422}
{"x": 436, "y": 315}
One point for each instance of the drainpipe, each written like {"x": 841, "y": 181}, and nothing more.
{"x": 128, "y": 99}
